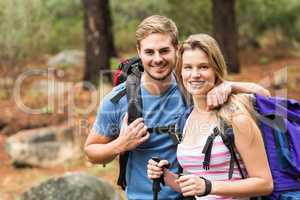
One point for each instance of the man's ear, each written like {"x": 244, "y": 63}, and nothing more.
{"x": 138, "y": 50}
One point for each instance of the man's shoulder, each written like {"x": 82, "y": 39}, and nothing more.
{"x": 115, "y": 91}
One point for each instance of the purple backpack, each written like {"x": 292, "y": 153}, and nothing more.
{"x": 279, "y": 121}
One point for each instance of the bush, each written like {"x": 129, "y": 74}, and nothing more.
{"x": 39, "y": 27}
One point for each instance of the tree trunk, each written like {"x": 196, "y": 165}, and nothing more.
{"x": 97, "y": 52}
{"x": 109, "y": 25}
{"x": 226, "y": 33}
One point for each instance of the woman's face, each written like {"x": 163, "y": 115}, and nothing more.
{"x": 197, "y": 75}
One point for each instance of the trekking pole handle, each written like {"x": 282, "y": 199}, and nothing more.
{"x": 157, "y": 159}
{"x": 156, "y": 181}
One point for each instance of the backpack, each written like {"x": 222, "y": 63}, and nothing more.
{"x": 130, "y": 71}
{"x": 279, "y": 122}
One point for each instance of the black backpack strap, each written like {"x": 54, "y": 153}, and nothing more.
{"x": 135, "y": 108}
{"x": 208, "y": 147}
{"x": 171, "y": 130}
{"x": 133, "y": 94}
{"x": 228, "y": 140}
{"x": 123, "y": 158}
{"x": 132, "y": 65}
{"x": 116, "y": 98}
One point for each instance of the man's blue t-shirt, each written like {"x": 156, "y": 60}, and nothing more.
{"x": 158, "y": 111}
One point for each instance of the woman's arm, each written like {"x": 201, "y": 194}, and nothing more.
{"x": 170, "y": 179}
{"x": 249, "y": 144}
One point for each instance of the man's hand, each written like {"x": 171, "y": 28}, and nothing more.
{"x": 218, "y": 95}
{"x": 132, "y": 135}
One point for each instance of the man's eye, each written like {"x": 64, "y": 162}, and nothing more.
{"x": 164, "y": 51}
{"x": 149, "y": 52}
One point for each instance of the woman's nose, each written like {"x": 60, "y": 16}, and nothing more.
{"x": 196, "y": 73}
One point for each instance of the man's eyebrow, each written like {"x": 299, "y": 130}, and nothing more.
{"x": 149, "y": 49}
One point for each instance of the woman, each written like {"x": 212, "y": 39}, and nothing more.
{"x": 200, "y": 67}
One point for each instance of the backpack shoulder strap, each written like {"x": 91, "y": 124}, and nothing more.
{"x": 132, "y": 68}
{"x": 133, "y": 94}
{"x": 187, "y": 101}
{"x": 132, "y": 91}
{"x": 228, "y": 140}
{"x": 182, "y": 120}
{"x": 179, "y": 130}
{"x": 116, "y": 98}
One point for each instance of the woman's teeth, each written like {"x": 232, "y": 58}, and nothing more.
{"x": 196, "y": 83}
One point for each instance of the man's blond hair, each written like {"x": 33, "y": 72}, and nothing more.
{"x": 156, "y": 24}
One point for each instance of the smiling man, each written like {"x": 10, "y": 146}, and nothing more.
{"x": 162, "y": 105}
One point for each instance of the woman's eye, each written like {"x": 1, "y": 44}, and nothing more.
{"x": 187, "y": 67}
{"x": 203, "y": 67}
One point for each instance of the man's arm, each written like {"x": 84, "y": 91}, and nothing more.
{"x": 101, "y": 149}
{"x": 219, "y": 94}
{"x": 247, "y": 87}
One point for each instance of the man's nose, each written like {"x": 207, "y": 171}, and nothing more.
{"x": 157, "y": 58}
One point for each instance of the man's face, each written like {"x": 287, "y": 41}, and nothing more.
{"x": 158, "y": 56}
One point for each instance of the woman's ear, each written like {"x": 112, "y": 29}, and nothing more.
{"x": 176, "y": 46}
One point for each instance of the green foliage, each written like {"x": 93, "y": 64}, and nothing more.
{"x": 31, "y": 28}
{"x": 114, "y": 63}
{"x": 126, "y": 17}
{"x": 37, "y": 27}
{"x": 257, "y": 17}
{"x": 191, "y": 16}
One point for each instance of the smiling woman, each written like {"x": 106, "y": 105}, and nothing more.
{"x": 212, "y": 175}
{"x": 197, "y": 74}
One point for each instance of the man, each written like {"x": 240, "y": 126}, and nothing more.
{"x": 162, "y": 105}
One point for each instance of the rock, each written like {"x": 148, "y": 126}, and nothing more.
{"x": 44, "y": 147}
{"x": 66, "y": 59}
{"x": 72, "y": 186}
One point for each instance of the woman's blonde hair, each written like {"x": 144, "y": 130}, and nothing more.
{"x": 208, "y": 45}
{"x": 156, "y": 24}
{"x": 239, "y": 103}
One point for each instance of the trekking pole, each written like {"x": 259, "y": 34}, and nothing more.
{"x": 157, "y": 181}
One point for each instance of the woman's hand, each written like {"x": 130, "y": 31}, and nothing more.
{"x": 191, "y": 185}
{"x": 156, "y": 169}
